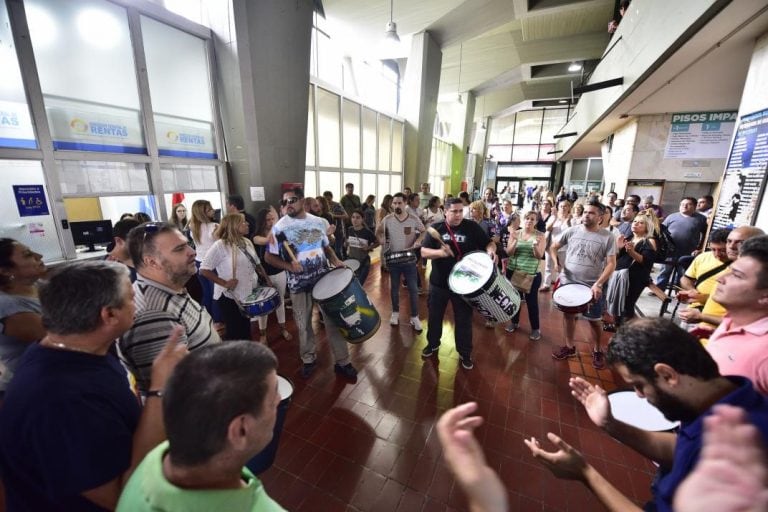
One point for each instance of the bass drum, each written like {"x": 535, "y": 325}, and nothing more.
{"x": 266, "y": 457}
{"x": 480, "y": 284}
{"x": 345, "y": 304}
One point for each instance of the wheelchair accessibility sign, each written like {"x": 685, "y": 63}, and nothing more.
{"x": 30, "y": 200}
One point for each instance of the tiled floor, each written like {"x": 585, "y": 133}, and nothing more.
{"x": 372, "y": 445}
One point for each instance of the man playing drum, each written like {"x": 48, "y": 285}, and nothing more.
{"x": 300, "y": 246}
{"x": 400, "y": 234}
{"x": 589, "y": 260}
{"x": 458, "y": 237}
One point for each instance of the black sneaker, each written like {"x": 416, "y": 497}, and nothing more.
{"x": 347, "y": 371}
{"x": 466, "y": 362}
{"x": 428, "y": 351}
{"x": 308, "y": 369}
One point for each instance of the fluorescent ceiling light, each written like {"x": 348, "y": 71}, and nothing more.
{"x": 574, "y": 67}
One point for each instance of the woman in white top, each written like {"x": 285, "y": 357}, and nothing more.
{"x": 202, "y": 229}
{"x": 432, "y": 213}
{"x": 234, "y": 259}
{"x": 555, "y": 227}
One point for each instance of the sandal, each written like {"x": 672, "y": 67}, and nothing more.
{"x": 609, "y": 327}
{"x": 285, "y": 334}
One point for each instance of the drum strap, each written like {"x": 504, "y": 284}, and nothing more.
{"x": 453, "y": 239}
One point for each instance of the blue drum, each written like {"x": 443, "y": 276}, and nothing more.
{"x": 266, "y": 457}
{"x": 262, "y": 301}
{"x": 345, "y": 304}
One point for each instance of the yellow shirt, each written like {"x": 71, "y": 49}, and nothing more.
{"x": 702, "y": 264}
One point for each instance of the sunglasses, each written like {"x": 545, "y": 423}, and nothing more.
{"x": 290, "y": 200}
{"x": 150, "y": 227}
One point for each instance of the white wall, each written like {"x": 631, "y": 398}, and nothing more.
{"x": 618, "y": 162}
{"x": 755, "y": 98}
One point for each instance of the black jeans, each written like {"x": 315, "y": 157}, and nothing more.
{"x": 238, "y": 326}
{"x": 532, "y": 303}
{"x": 437, "y": 303}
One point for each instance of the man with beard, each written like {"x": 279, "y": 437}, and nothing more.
{"x": 459, "y": 237}
{"x": 306, "y": 262}
{"x": 401, "y": 232}
{"x": 164, "y": 262}
{"x": 669, "y": 367}
{"x": 590, "y": 259}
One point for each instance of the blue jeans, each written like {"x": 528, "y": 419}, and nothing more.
{"x": 407, "y": 270}
{"x": 662, "y": 280}
{"x": 362, "y": 273}
{"x": 532, "y": 303}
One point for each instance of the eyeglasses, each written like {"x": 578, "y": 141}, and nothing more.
{"x": 290, "y": 200}
{"x": 150, "y": 227}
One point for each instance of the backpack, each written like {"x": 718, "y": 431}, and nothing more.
{"x": 665, "y": 246}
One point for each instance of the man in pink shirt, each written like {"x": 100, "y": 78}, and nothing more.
{"x": 740, "y": 344}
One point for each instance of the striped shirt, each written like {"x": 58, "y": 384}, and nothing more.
{"x": 158, "y": 310}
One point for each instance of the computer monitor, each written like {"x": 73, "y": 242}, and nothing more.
{"x": 91, "y": 232}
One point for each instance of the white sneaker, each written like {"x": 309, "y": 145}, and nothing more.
{"x": 394, "y": 319}
{"x": 416, "y": 323}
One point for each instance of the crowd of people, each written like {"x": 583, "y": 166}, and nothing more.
{"x": 71, "y": 336}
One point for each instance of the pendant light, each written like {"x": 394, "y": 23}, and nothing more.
{"x": 390, "y": 34}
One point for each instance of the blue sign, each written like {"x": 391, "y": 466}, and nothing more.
{"x": 30, "y": 200}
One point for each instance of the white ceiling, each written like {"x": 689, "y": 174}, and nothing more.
{"x": 496, "y": 42}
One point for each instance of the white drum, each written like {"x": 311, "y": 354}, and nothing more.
{"x": 284, "y": 388}
{"x": 481, "y": 285}
{"x": 352, "y": 264}
{"x": 572, "y": 298}
{"x": 629, "y": 408}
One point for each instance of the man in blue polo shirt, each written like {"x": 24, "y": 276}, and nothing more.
{"x": 669, "y": 367}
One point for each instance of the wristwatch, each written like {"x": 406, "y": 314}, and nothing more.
{"x": 155, "y": 392}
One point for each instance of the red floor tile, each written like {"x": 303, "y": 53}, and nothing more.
{"x": 372, "y": 445}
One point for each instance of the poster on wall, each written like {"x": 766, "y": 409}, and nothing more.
{"x": 744, "y": 178}
{"x": 700, "y": 134}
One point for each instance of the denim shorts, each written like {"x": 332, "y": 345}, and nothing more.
{"x": 595, "y": 311}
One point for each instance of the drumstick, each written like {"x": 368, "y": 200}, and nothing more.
{"x": 434, "y": 234}
{"x": 290, "y": 251}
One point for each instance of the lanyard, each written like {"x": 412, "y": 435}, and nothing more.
{"x": 453, "y": 239}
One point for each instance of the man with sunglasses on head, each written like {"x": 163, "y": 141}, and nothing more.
{"x": 459, "y": 237}
{"x": 164, "y": 262}
{"x": 306, "y": 262}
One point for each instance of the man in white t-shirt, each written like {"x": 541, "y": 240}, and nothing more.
{"x": 306, "y": 262}
{"x": 590, "y": 260}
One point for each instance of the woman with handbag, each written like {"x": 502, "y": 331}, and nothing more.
{"x": 555, "y": 227}
{"x": 634, "y": 262}
{"x": 233, "y": 256}
{"x": 525, "y": 249}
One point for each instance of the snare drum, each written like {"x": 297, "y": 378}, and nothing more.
{"x": 572, "y": 298}
{"x": 266, "y": 457}
{"x": 345, "y": 304}
{"x": 262, "y": 301}
{"x": 480, "y": 284}
{"x": 352, "y": 264}
{"x": 400, "y": 257}
{"x": 629, "y": 408}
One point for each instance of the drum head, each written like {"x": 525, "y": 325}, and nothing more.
{"x": 629, "y": 408}
{"x": 261, "y": 294}
{"x": 284, "y": 387}
{"x": 572, "y": 295}
{"x": 471, "y": 273}
{"x": 332, "y": 283}
{"x": 352, "y": 264}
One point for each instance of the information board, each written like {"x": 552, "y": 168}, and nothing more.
{"x": 700, "y": 134}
